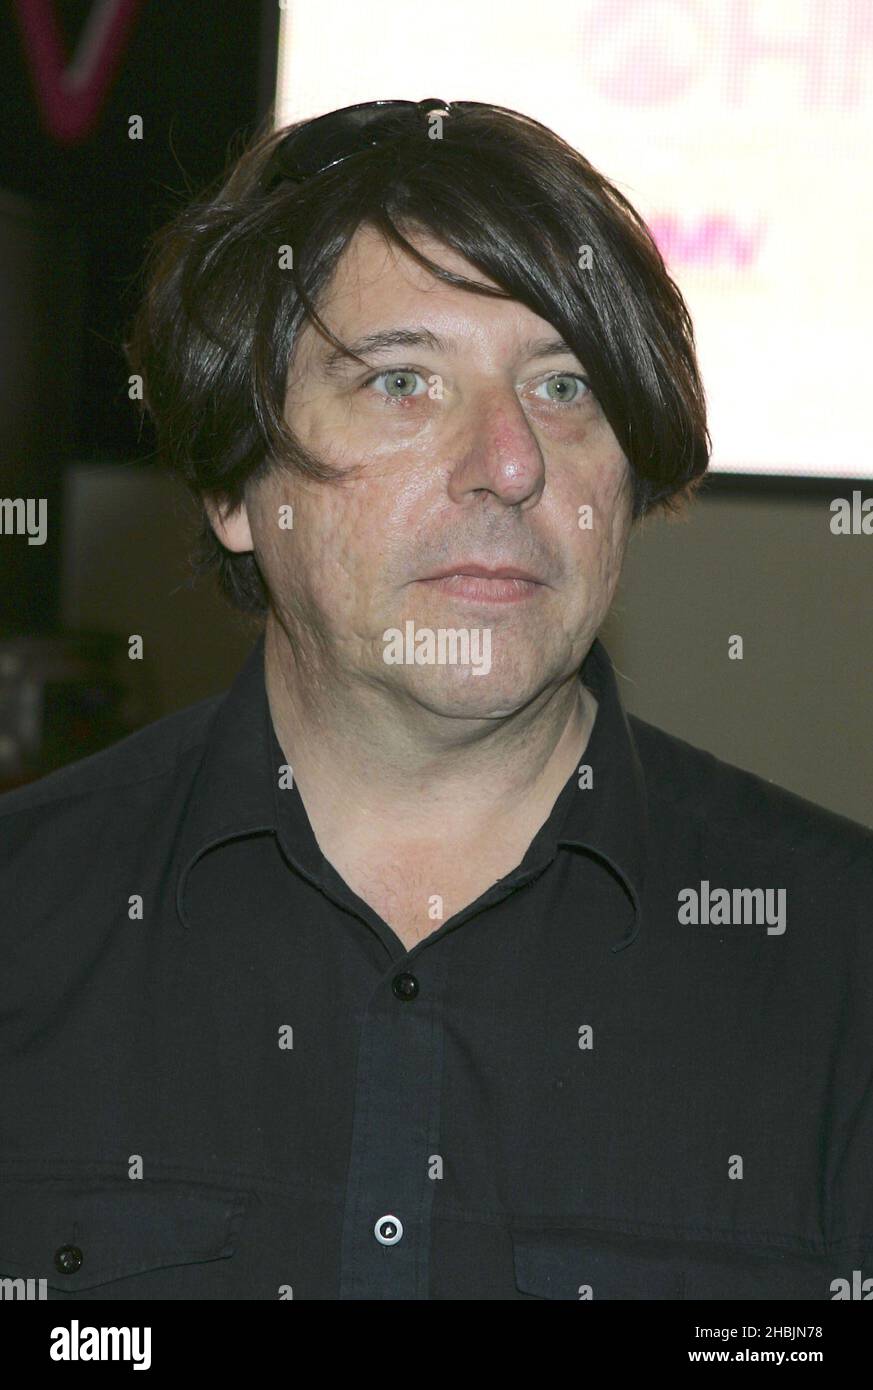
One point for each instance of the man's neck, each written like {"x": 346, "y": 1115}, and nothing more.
{"x": 371, "y": 769}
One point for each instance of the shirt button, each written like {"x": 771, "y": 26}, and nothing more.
{"x": 388, "y": 1230}
{"x": 68, "y": 1259}
{"x": 405, "y": 986}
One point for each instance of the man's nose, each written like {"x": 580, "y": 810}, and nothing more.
{"x": 497, "y": 451}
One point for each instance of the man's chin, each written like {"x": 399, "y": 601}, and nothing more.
{"x": 470, "y": 692}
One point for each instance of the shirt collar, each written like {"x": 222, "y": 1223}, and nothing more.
{"x": 606, "y": 813}
{"x": 232, "y": 794}
{"x": 236, "y": 789}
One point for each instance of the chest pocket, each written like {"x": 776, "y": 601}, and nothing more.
{"x": 78, "y": 1236}
{"x": 582, "y": 1265}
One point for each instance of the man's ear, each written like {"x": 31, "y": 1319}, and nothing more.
{"x": 231, "y": 527}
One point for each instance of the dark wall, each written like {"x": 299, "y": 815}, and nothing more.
{"x": 81, "y": 199}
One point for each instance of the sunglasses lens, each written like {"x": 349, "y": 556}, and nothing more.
{"x": 331, "y": 138}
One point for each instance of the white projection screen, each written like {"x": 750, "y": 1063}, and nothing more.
{"x": 741, "y": 130}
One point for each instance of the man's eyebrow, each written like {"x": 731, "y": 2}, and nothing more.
{"x": 386, "y": 339}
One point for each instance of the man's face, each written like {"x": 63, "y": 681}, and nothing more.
{"x": 489, "y": 464}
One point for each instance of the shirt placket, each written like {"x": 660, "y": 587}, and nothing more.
{"x": 395, "y": 1162}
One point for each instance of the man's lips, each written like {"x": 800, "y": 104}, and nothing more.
{"x": 483, "y": 584}
{"x": 483, "y": 572}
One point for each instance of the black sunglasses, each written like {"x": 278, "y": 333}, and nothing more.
{"x": 328, "y": 140}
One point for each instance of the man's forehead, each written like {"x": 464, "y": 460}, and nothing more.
{"x": 373, "y": 271}
{"x": 374, "y": 306}
{"x": 371, "y": 254}
{"x": 373, "y": 345}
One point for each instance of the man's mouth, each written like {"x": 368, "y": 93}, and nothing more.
{"x": 485, "y": 584}
{"x": 471, "y": 567}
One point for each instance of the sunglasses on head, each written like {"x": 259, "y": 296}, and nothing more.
{"x": 328, "y": 140}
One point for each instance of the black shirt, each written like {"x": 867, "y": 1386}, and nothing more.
{"x": 247, "y": 1088}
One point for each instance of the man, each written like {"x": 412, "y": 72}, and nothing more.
{"x": 414, "y": 968}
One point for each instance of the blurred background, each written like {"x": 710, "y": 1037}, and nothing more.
{"x": 740, "y": 129}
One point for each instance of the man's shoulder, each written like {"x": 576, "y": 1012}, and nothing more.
{"x": 144, "y": 759}
{"x": 726, "y": 800}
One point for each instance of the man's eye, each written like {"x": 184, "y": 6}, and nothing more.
{"x": 565, "y": 394}
{"x": 398, "y": 382}
{"x": 564, "y": 388}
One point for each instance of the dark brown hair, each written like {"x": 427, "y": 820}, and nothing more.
{"x": 219, "y": 317}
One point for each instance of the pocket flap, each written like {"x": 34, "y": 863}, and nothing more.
{"x": 76, "y": 1235}
{"x": 584, "y": 1265}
